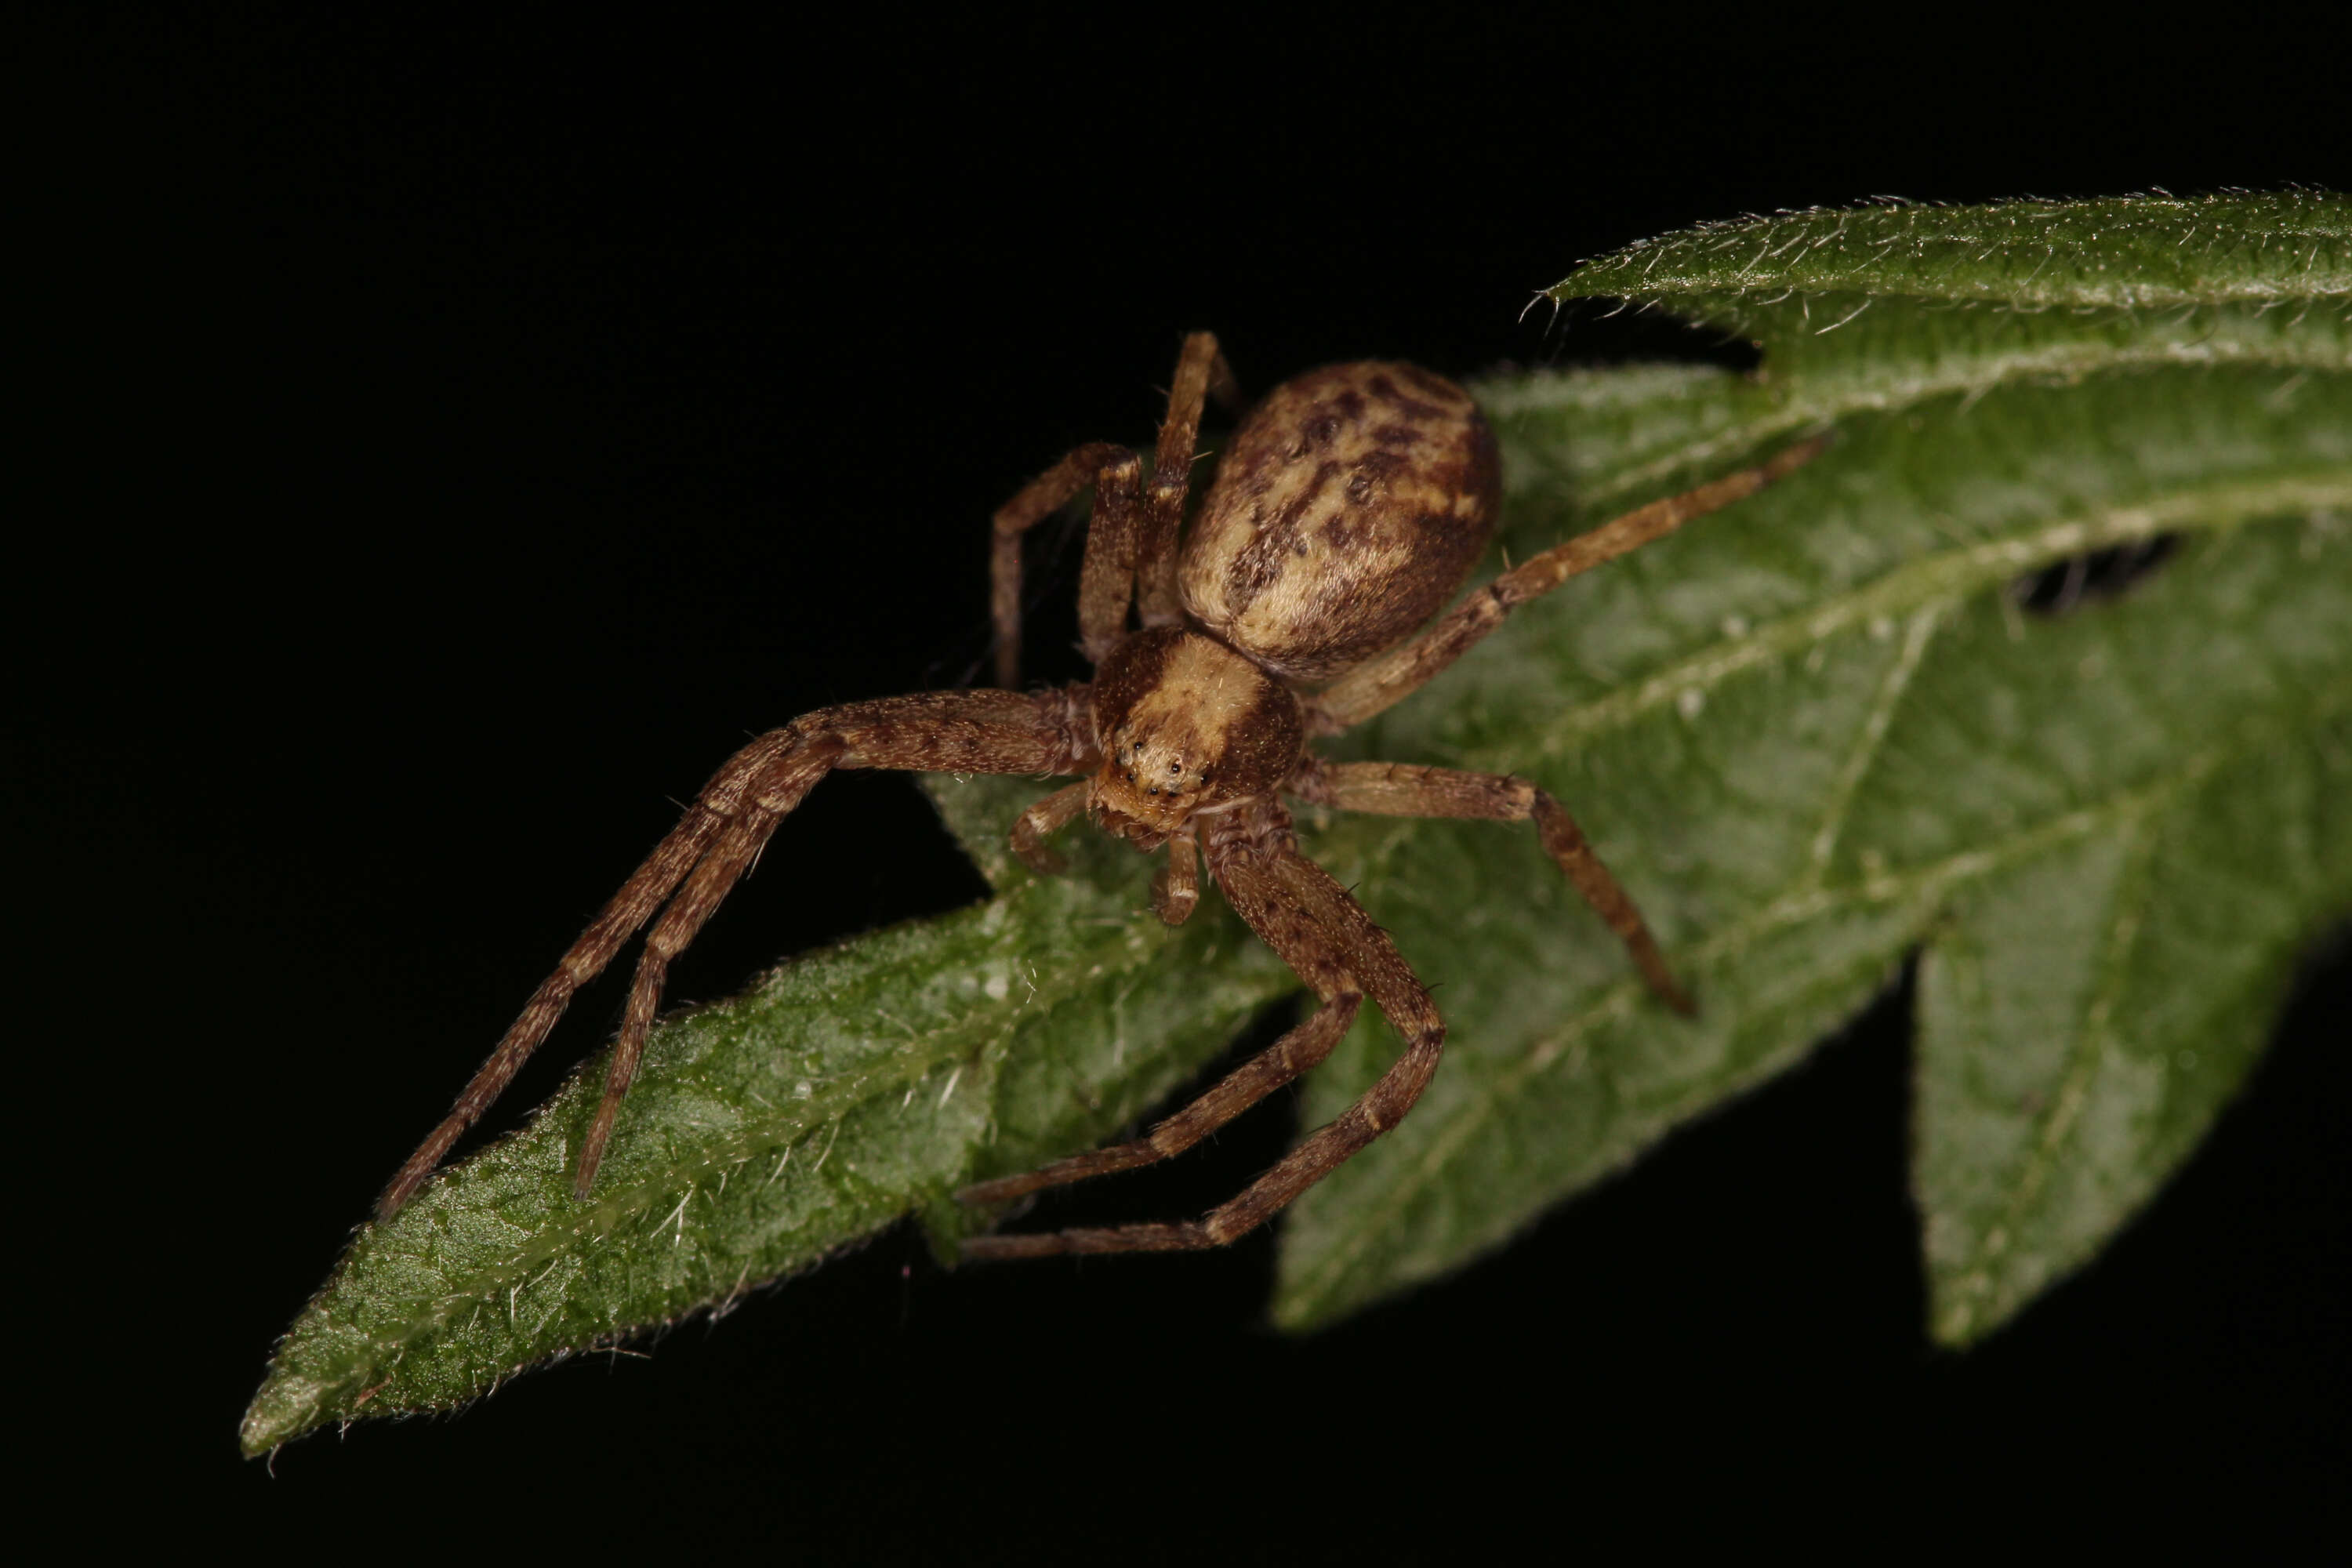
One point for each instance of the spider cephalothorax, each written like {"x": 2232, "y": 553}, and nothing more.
{"x": 1186, "y": 725}
{"x": 1348, "y": 508}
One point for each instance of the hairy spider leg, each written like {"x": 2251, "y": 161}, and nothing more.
{"x": 1300, "y": 943}
{"x": 780, "y": 786}
{"x": 1318, "y": 929}
{"x": 1038, "y": 499}
{"x": 1107, "y": 578}
{"x": 1131, "y": 542}
{"x": 720, "y": 838}
{"x": 1201, "y": 370}
{"x": 1367, "y": 690}
{"x": 1406, "y": 789}
{"x": 634, "y": 904}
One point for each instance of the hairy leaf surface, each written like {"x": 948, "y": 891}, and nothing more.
{"x": 1814, "y": 734}
{"x": 1818, "y": 733}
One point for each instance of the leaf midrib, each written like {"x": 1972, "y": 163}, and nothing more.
{"x": 2094, "y": 1038}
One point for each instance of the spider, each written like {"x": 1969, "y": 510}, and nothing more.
{"x": 1348, "y": 509}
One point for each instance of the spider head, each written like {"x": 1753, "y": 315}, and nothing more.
{"x": 1186, "y": 725}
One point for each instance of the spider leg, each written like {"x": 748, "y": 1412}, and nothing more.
{"x": 1105, "y": 579}
{"x": 1278, "y": 1064}
{"x": 1314, "y": 924}
{"x": 782, "y": 786}
{"x": 720, "y": 835}
{"x": 1402, "y": 789}
{"x": 1301, "y": 944}
{"x": 1131, "y": 543}
{"x": 630, "y": 908}
{"x": 1370, "y": 687}
{"x": 1201, "y": 370}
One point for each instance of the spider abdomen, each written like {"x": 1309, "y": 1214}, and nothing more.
{"x": 1348, "y": 508}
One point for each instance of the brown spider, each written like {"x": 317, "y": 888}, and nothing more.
{"x": 1347, "y": 510}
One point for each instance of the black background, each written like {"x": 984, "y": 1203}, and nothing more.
{"x": 463, "y": 436}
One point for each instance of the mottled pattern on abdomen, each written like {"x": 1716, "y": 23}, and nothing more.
{"x": 1347, "y": 511}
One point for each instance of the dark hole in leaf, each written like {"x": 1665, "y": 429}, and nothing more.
{"x": 2101, "y": 576}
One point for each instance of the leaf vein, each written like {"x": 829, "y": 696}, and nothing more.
{"x": 2094, "y": 1039}
{"x": 1917, "y": 635}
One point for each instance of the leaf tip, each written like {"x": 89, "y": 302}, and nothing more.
{"x": 283, "y": 1409}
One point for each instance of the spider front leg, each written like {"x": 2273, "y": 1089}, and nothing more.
{"x": 1405, "y": 789}
{"x": 639, "y": 897}
{"x": 720, "y": 839}
{"x": 1328, "y": 941}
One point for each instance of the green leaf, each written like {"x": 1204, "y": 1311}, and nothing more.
{"x": 1814, "y": 734}
{"x": 1817, "y": 733}
{"x": 842, "y": 1091}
